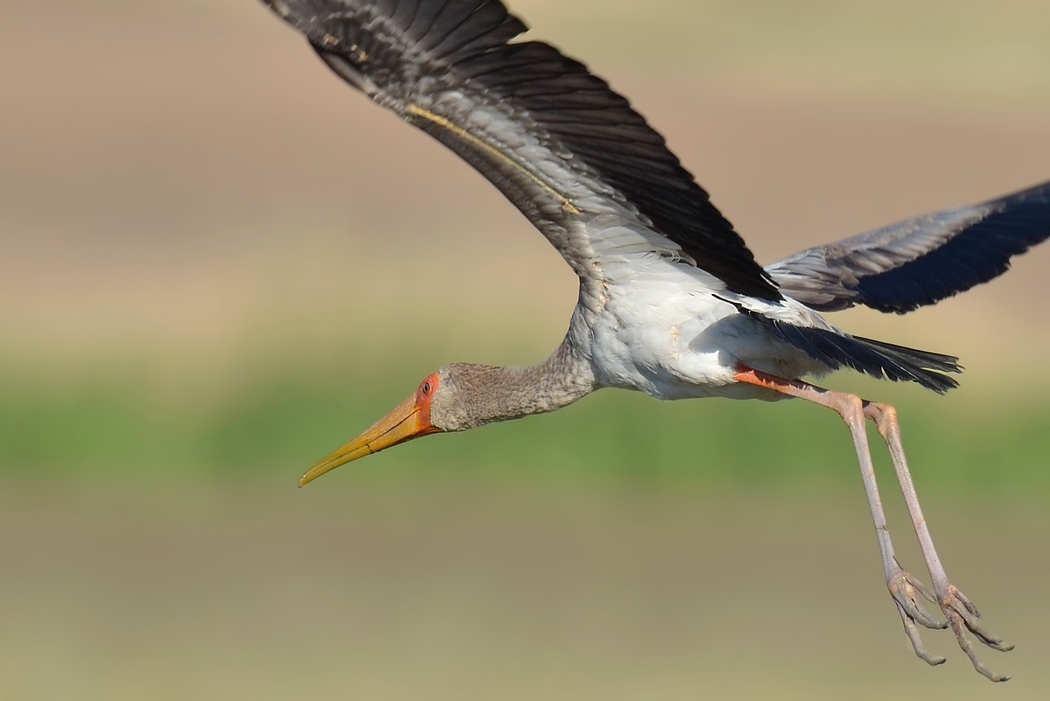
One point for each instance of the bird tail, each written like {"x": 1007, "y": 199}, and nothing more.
{"x": 875, "y": 358}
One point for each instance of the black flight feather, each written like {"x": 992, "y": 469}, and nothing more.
{"x": 837, "y": 349}
{"x": 921, "y": 261}
{"x": 399, "y": 50}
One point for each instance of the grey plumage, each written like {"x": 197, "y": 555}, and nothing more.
{"x": 533, "y": 121}
{"x": 918, "y": 261}
{"x": 474, "y": 395}
{"x": 592, "y": 175}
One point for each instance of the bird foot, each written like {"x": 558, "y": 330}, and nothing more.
{"x": 906, "y": 589}
{"x": 962, "y": 617}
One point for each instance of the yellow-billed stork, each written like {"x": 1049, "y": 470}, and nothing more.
{"x": 671, "y": 302}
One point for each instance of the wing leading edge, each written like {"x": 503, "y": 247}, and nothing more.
{"x": 555, "y": 139}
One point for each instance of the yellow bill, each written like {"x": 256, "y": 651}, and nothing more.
{"x": 409, "y": 420}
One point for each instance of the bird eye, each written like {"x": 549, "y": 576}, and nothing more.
{"x": 426, "y": 387}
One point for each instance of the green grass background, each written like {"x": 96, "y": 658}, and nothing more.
{"x": 129, "y": 423}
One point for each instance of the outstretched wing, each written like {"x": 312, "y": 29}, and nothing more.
{"x": 569, "y": 152}
{"x": 919, "y": 261}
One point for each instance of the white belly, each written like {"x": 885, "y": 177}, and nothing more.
{"x": 675, "y": 341}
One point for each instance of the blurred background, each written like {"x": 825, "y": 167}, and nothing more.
{"x": 218, "y": 263}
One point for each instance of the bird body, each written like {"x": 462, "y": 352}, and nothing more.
{"x": 672, "y": 303}
{"x": 668, "y": 334}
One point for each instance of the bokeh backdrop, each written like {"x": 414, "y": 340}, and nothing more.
{"x": 217, "y": 263}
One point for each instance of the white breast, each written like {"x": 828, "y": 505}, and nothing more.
{"x": 671, "y": 333}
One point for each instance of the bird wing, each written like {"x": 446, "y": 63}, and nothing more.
{"x": 919, "y": 261}
{"x": 571, "y": 154}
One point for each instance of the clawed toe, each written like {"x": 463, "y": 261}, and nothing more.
{"x": 916, "y": 642}
{"x": 906, "y": 590}
{"x": 963, "y": 618}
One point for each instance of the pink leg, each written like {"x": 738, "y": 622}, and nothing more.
{"x": 960, "y": 612}
{"x": 905, "y": 588}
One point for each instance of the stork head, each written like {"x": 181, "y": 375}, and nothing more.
{"x": 411, "y": 419}
{"x": 457, "y": 397}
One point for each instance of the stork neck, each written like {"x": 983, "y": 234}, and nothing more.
{"x": 486, "y": 394}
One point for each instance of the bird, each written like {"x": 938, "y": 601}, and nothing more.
{"x": 671, "y": 302}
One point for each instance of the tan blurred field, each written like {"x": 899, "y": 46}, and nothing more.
{"x": 452, "y": 592}
{"x": 185, "y": 181}
{"x": 217, "y": 261}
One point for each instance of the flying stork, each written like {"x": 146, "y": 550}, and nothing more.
{"x": 671, "y": 301}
